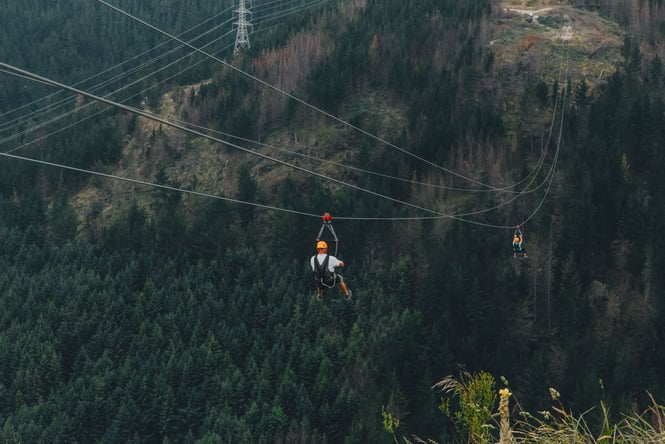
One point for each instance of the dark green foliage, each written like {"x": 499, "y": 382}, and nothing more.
{"x": 142, "y": 345}
{"x": 194, "y": 320}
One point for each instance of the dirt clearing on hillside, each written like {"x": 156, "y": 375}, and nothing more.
{"x": 540, "y": 29}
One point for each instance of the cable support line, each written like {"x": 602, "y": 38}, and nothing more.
{"x": 119, "y": 65}
{"x": 279, "y": 7}
{"x": 439, "y": 214}
{"x": 98, "y": 86}
{"x": 556, "y": 155}
{"x": 84, "y": 106}
{"x": 68, "y": 100}
{"x": 26, "y": 74}
{"x": 29, "y": 75}
{"x": 337, "y": 164}
{"x": 284, "y": 12}
{"x": 156, "y": 185}
{"x": 153, "y": 85}
{"x": 459, "y": 215}
{"x": 295, "y": 98}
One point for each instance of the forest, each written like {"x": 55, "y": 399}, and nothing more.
{"x": 180, "y": 306}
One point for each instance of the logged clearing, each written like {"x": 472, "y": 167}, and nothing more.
{"x": 540, "y": 33}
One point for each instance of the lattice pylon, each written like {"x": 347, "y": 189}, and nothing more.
{"x": 242, "y": 36}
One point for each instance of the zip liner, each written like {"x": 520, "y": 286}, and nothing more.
{"x": 325, "y": 275}
{"x": 518, "y": 239}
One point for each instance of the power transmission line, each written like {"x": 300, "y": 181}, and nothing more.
{"x": 242, "y": 36}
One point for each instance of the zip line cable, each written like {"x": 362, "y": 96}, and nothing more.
{"x": 156, "y": 185}
{"x": 293, "y": 97}
{"x": 37, "y": 78}
{"x": 69, "y": 100}
{"x": 277, "y": 15}
{"x": 556, "y": 154}
{"x": 492, "y": 188}
{"x": 119, "y": 65}
{"x": 456, "y": 216}
{"x": 439, "y": 215}
{"x": 70, "y": 112}
{"x": 563, "y": 67}
{"x": 507, "y": 189}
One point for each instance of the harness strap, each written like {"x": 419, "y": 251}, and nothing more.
{"x": 322, "y": 270}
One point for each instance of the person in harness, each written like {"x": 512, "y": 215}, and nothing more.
{"x": 518, "y": 238}
{"x": 324, "y": 265}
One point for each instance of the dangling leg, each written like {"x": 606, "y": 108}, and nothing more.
{"x": 319, "y": 293}
{"x": 342, "y": 286}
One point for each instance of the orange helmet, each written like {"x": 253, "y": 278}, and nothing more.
{"x": 321, "y": 244}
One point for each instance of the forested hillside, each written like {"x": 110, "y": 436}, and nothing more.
{"x": 155, "y": 277}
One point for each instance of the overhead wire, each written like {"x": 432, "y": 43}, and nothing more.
{"x": 556, "y": 155}
{"x": 438, "y": 214}
{"x": 295, "y": 98}
{"x": 406, "y": 180}
{"x": 310, "y": 106}
{"x": 112, "y": 68}
{"x": 155, "y": 185}
{"x": 98, "y": 86}
{"x": 277, "y": 15}
{"x": 37, "y": 78}
{"x": 74, "y": 111}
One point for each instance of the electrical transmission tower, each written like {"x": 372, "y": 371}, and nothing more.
{"x": 242, "y": 37}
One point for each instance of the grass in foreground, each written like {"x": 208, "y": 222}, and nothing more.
{"x": 470, "y": 401}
